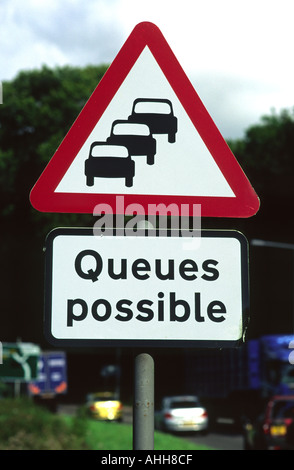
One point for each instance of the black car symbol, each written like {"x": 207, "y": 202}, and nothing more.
{"x": 109, "y": 161}
{"x": 135, "y": 136}
{"x": 157, "y": 114}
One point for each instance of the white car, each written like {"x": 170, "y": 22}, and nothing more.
{"x": 182, "y": 413}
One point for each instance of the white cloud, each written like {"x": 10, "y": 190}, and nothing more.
{"x": 56, "y": 33}
{"x": 237, "y": 54}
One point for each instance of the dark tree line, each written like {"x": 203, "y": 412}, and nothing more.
{"x": 38, "y": 109}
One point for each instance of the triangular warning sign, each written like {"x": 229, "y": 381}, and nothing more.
{"x": 144, "y": 134}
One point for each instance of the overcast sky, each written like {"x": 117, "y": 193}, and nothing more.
{"x": 238, "y": 54}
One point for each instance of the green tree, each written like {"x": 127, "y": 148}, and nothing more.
{"x": 267, "y": 154}
{"x": 38, "y": 108}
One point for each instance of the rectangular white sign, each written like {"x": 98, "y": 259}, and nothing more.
{"x": 151, "y": 290}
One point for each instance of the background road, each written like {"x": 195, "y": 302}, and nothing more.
{"x": 225, "y": 439}
{"x": 219, "y": 441}
{"x": 222, "y": 439}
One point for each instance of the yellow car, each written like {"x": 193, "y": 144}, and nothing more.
{"x": 104, "y": 406}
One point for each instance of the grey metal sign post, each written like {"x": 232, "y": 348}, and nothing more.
{"x": 143, "y": 408}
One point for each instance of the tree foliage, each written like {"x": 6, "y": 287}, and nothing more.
{"x": 38, "y": 108}
{"x": 267, "y": 154}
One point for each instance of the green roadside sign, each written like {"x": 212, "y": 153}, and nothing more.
{"x": 19, "y": 361}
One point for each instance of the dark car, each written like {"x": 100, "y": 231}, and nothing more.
{"x": 273, "y": 430}
{"x": 157, "y": 114}
{"x": 109, "y": 161}
{"x": 135, "y": 136}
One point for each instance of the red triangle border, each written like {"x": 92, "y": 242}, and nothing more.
{"x": 43, "y": 198}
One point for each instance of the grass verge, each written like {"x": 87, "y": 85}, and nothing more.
{"x": 25, "y": 426}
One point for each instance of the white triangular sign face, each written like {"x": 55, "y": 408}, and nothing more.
{"x": 174, "y": 153}
{"x": 178, "y": 168}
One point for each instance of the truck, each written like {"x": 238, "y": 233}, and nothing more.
{"x": 235, "y": 384}
{"x": 51, "y": 380}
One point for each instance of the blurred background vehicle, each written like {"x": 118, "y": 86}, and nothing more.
{"x": 235, "y": 384}
{"x": 182, "y": 413}
{"x": 104, "y": 406}
{"x": 273, "y": 430}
